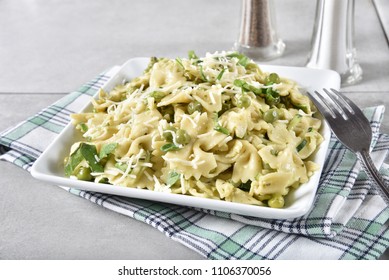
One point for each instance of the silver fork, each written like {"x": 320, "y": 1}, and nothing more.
{"x": 352, "y": 128}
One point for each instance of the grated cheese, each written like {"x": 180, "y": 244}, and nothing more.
{"x": 185, "y": 116}
{"x": 193, "y": 163}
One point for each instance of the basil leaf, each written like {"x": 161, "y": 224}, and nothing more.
{"x": 243, "y": 60}
{"x": 122, "y": 166}
{"x": 89, "y": 152}
{"x": 219, "y": 77}
{"x": 221, "y": 129}
{"x": 246, "y": 87}
{"x": 172, "y": 178}
{"x": 192, "y": 55}
{"x": 169, "y": 147}
{"x": 107, "y": 149}
{"x": 84, "y": 152}
{"x": 239, "y": 83}
{"x": 303, "y": 107}
{"x": 257, "y": 91}
{"x": 74, "y": 160}
{"x": 83, "y": 127}
{"x": 272, "y": 97}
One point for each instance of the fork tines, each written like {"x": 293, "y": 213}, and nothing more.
{"x": 335, "y": 103}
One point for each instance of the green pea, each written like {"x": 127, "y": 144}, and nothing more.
{"x": 183, "y": 137}
{"x": 167, "y": 134}
{"x": 277, "y": 201}
{"x": 271, "y": 115}
{"x": 243, "y": 101}
{"x": 158, "y": 95}
{"x": 252, "y": 67}
{"x": 273, "y": 78}
{"x": 194, "y": 106}
{"x": 225, "y": 107}
{"x": 167, "y": 111}
{"x": 83, "y": 174}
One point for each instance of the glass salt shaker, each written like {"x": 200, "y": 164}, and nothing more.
{"x": 258, "y": 37}
{"x": 333, "y": 40}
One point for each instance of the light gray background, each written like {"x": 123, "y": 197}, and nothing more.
{"x": 51, "y": 47}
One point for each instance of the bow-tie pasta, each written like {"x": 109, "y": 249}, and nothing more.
{"x": 215, "y": 127}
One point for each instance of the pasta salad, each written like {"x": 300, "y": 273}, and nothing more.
{"x": 215, "y": 127}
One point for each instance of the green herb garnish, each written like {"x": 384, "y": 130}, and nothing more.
{"x": 83, "y": 127}
{"x": 245, "y": 186}
{"x": 242, "y": 59}
{"x": 121, "y": 166}
{"x": 179, "y": 61}
{"x": 221, "y": 129}
{"x": 192, "y": 55}
{"x": 247, "y": 87}
{"x": 73, "y": 161}
{"x": 107, "y": 149}
{"x": 203, "y": 77}
{"x": 296, "y": 119}
{"x": 169, "y": 147}
{"x": 172, "y": 178}
{"x": 301, "y": 145}
{"x": 272, "y": 97}
{"x": 89, "y": 152}
{"x": 219, "y": 77}
{"x": 84, "y": 152}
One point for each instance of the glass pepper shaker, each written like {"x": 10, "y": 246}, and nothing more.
{"x": 258, "y": 38}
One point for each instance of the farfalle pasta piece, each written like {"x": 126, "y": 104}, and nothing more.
{"x": 248, "y": 164}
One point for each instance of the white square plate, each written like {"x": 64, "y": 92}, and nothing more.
{"x": 49, "y": 166}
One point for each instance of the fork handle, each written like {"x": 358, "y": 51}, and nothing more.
{"x": 372, "y": 172}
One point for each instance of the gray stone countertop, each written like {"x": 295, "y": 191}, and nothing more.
{"x": 50, "y": 48}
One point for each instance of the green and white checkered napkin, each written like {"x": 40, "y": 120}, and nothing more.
{"x": 347, "y": 220}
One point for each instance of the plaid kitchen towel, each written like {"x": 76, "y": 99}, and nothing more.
{"x": 349, "y": 219}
